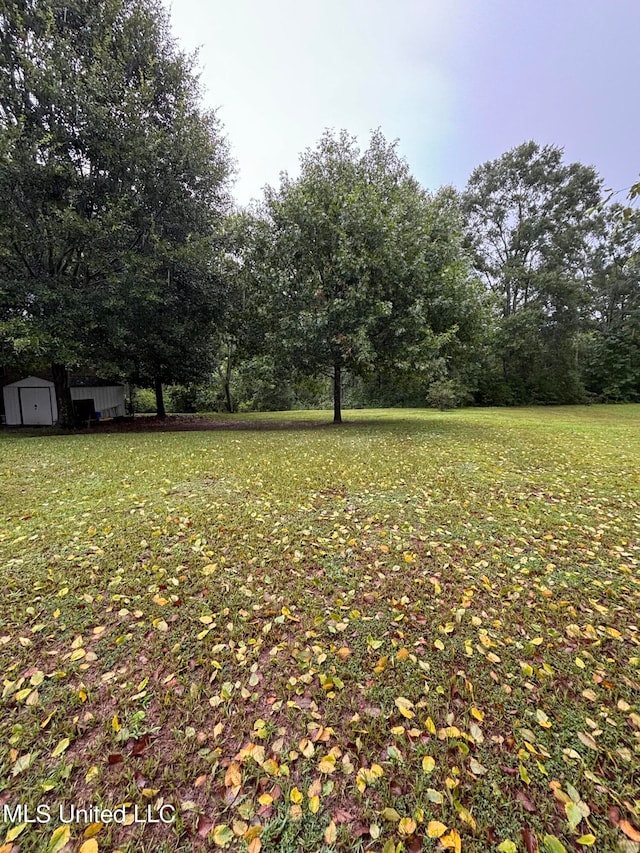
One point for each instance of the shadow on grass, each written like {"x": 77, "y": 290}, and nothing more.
{"x": 202, "y": 423}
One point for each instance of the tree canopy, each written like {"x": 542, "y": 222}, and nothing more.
{"x": 362, "y": 260}
{"x": 112, "y": 180}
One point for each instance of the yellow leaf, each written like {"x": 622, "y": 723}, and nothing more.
{"x": 452, "y": 841}
{"x": 428, "y": 763}
{"x": 233, "y": 778}
{"x": 46, "y": 721}
{"x": 91, "y": 774}
{"x": 59, "y": 839}
{"x": 61, "y": 747}
{"x": 314, "y": 805}
{"x": 587, "y": 840}
{"x": 265, "y": 799}
{"x": 327, "y": 764}
{"x": 407, "y": 826}
{"x": 93, "y": 829}
{"x": 222, "y": 835}
{"x": 430, "y": 726}
{"x": 405, "y": 707}
{"x": 435, "y": 829}
{"x": 296, "y": 796}
{"x": 90, "y": 846}
{"x": 306, "y": 747}
{"x": 14, "y": 832}
{"x": 449, "y": 732}
{"x": 115, "y": 723}
{"x": 542, "y": 719}
{"x": 479, "y": 715}
{"x": 78, "y": 654}
{"x": 331, "y": 833}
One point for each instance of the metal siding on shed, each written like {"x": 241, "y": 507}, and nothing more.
{"x": 11, "y": 406}
{"x": 105, "y": 398}
{"x": 35, "y": 405}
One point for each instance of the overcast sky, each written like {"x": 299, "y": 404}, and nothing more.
{"x": 458, "y": 82}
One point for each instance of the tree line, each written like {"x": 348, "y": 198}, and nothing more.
{"x": 121, "y": 250}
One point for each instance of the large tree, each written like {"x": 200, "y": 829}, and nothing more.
{"x": 612, "y": 353}
{"x": 529, "y": 229}
{"x": 362, "y": 260}
{"x": 111, "y": 184}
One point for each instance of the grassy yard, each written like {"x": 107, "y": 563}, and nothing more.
{"x": 417, "y": 631}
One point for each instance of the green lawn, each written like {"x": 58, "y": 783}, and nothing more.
{"x": 335, "y": 638}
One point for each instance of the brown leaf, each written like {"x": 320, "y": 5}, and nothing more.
{"x": 115, "y": 758}
{"x": 629, "y": 830}
{"x": 342, "y": 816}
{"x": 205, "y": 825}
{"x": 492, "y": 836}
{"x": 510, "y": 771}
{"x": 614, "y": 815}
{"x": 265, "y": 812}
{"x": 140, "y": 745}
{"x": 231, "y": 795}
{"x": 529, "y": 840}
{"x": 526, "y": 803}
{"x": 415, "y": 845}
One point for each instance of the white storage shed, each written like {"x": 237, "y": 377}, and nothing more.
{"x": 32, "y": 401}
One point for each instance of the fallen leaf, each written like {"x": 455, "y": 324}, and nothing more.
{"x": 452, "y": 841}
{"x": 205, "y": 825}
{"x": 629, "y": 830}
{"x": 407, "y": 826}
{"x": 529, "y": 840}
{"x": 553, "y": 844}
{"x": 59, "y": 839}
{"x": 526, "y": 803}
{"x": 331, "y": 833}
{"x": 405, "y": 706}
{"x": 435, "y": 829}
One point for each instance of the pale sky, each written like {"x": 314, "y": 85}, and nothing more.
{"x": 458, "y": 82}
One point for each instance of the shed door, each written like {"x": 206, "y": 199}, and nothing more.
{"x": 36, "y": 406}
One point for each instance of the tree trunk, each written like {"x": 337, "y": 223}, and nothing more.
{"x": 161, "y": 412}
{"x": 337, "y": 394}
{"x": 227, "y": 380}
{"x": 60, "y": 376}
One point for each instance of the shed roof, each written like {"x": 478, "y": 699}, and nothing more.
{"x": 92, "y": 382}
{"x": 30, "y": 382}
